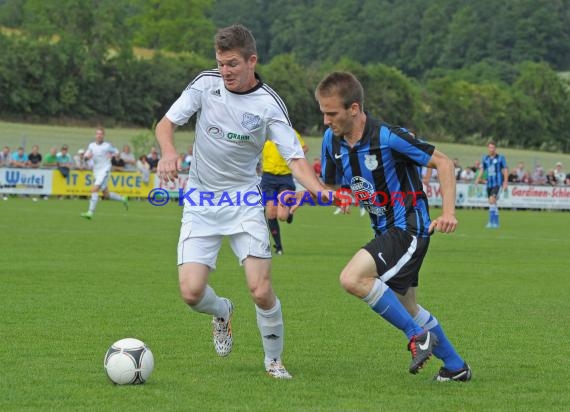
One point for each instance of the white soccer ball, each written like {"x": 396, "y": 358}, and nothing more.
{"x": 128, "y": 361}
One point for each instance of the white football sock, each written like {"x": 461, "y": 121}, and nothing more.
{"x": 270, "y": 323}
{"x": 115, "y": 196}
{"x": 93, "y": 201}
{"x": 212, "y": 304}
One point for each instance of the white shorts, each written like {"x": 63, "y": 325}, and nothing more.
{"x": 101, "y": 179}
{"x": 197, "y": 247}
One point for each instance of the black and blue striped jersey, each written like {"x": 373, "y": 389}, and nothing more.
{"x": 494, "y": 167}
{"x": 383, "y": 171}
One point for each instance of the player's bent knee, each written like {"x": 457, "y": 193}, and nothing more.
{"x": 348, "y": 281}
{"x": 191, "y": 296}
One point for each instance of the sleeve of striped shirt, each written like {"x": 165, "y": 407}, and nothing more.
{"x": 405, "y": 143}
{"x": 329, "y": 172}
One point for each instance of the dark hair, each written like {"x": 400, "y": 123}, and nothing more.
{"x": 343, "y": 84}
{"x": 236, "y": 37}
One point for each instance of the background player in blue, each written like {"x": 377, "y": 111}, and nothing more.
{"x": 495, "y": 165}
{"x": 382, "y": 165}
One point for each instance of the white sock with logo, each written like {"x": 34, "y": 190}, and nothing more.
{"x": 270, "y": 324}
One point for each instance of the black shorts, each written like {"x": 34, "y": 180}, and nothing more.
{"x": 398, "y": 257}
{"x": 272, "y": 185}
{"x": 493, "y": 191}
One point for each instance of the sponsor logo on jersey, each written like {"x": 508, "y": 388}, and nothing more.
{"x": 238, "y": 137}
{"x": 363, "y": 191}
{"x": 250, "y": 121}
{"x": 216, "y": 93}
{"x": 215, "y": 132}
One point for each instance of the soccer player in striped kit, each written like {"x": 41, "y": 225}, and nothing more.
{"x": 495, "y": 165}
{"x": 382, "y": 165}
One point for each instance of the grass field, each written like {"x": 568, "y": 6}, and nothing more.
{"x": 72, "y": 287}
{"x": 16, "y": 134}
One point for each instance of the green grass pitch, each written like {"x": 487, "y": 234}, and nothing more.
{"x": 69, "y": 288}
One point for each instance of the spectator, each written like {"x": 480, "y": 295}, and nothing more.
{"x": 80, "y": 163}
{"x": 513, "y": 176}
{"x": 184, "y": 165}
{"x": 19, "y": 158}
{"x": 568, "y": 179}
{"x": 467, "y": 175}
{"x": 50, "y": 159}
{"x": 144, "y": 168}
{"x": 526, "y": 179}
{"x": 153, "y": 152}
{"x": 35, "y": 157}
{"x": 559, "y": 174}
{"x": 130, "y": 163}
{"x": 551, "y": 178}
{"x": 153, "y": 159}
{"x": 5, "y": 157}
{"x": 538, "y": 177}
{"x": 64, "y": 158}
{"x": 64, "y": 161}
{"x": 117, "y": 163}
{"x": 520, "y": 172}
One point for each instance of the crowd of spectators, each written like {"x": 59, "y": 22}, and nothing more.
{"x": 126, "y": 161}
{"x": 123, "y": 161}
{"x": 553, "y": 177}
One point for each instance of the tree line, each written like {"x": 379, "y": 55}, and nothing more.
{"x": 451, "y": 69}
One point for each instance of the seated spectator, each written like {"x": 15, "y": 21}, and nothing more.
{"x": 19, "y": 158}
{"x": 64, "y": 161}
{"x": 50, "y": 159}
{"x": 520, "y": 171}
{"x": 5, "y": 157}
{"x": 144, "y": 168}
{"x": 128, "y": 159}
{"x": 526, "y": 179}
{"x": 538, "y": 177}
{"x": 35, "y": 157}
{"x": 64, "y": 158}
{"x": 513, "y": 176}
{"x": 117, "y": 163}
{"x": 80, "y": 163}
{"x": 467, "y": 175}
{"x": 153, "y": 159}
{"x": 551, "y": 178}
{"x": 153, "y": 152}
{"x": 559, "y": 174}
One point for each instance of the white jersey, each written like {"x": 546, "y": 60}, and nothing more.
{"x": 231, "y": 130}
{"x": 101, "y": 156}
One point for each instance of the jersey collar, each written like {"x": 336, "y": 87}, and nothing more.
{"x": 254, "y": 88}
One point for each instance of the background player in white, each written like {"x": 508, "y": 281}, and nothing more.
{"x": 101, "y": 153}
{"x": 236, "y": 113}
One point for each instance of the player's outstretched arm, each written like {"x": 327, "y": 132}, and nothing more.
{"x": 447, "y": 222}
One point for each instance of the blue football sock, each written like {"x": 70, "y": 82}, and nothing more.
{"x": 444, "y": 349}
{"x": 383, "y": 301}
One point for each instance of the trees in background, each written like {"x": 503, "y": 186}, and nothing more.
{"x": 466, "y": 71}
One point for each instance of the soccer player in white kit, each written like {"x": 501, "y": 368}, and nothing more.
{"x": 236, "y": 113}
{"x": 101, "y": 153}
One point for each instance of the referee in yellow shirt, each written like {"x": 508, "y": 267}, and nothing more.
{"x": 276, "y": 178}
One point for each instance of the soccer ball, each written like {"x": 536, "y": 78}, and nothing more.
{"x": 128, "y": 361}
